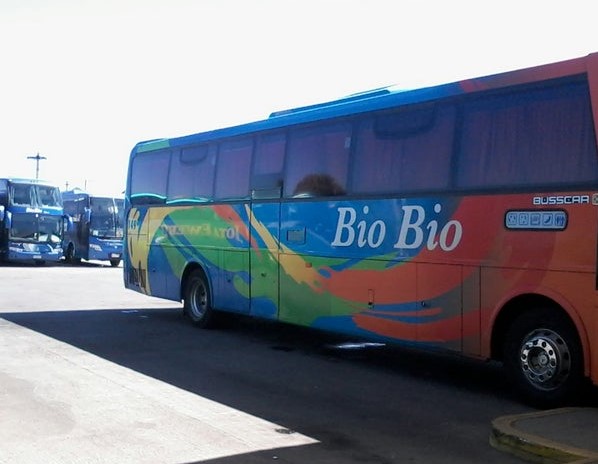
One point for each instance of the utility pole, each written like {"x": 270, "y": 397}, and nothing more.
{"x": 37, "y": 159}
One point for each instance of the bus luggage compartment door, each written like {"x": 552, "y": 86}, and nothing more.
{"x": 264, "y": 258}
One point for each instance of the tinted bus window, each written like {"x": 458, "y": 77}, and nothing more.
{"x": 192, "y": 174}
{"x": 232, "y": 176}
{"x": 530, "y": 138}
{"x": 405, "y": 150}
{"x": 148, "y": 177}
{"x": 318, "y": 160}
{"x": 268, "y": 165}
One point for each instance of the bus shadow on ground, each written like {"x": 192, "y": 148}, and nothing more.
{"x": 273, "y": 370}
{"x": 162, "y": 344}
{"x": 61, "y": 263}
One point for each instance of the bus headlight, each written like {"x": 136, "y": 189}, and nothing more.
{"x": 29, "y": 247}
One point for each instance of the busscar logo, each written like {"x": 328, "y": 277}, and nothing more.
{"x": 562, "y": 200}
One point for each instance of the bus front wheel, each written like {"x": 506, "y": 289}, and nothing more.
{"x": 543, "y": 357}
{"x": 69, "y": 255}
{"x": 197, "y": 304}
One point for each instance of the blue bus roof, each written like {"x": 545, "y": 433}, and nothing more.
{"x": 80, "y": 193}
{"x": 379, "y": 99}
{"x": 353, "y": 104}
{"x": 24, "y": 180}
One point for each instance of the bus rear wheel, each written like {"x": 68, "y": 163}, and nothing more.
{"x": 197, "y": 304}
{"x": 543, "y": 357}
{"x": 114, "y": 262}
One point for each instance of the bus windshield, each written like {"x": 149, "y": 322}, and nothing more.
{"x": 47, "y": 195}
{"x": 43, "y": 228}
{"x": 105, "y": 218}
{"x": 34, "y": 195}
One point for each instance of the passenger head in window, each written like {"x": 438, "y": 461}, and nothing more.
{"x": 318, "y": 185}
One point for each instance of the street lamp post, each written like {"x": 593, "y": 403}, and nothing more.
{"x": 37, "y": 159}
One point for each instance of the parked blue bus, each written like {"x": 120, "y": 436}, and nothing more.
{"x": 97, "y": 231}
{"x": 32, "y": 221}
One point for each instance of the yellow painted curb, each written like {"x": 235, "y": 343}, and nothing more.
{"x": 505, "y": 436}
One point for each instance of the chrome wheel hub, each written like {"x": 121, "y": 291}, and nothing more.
{"x": 545, "y": 359}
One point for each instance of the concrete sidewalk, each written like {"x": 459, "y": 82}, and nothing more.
{"x": 566, "y": 435}
{"x": 66, "y": 405}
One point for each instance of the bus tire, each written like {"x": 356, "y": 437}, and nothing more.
{"x": 543, "y": 358}
{"x": 69, "y": 254}
{"x": 197, "y": 303}
{"x": 114, "y": 262}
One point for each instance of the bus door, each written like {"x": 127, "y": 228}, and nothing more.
{"x": 83, "y": 233}
{"x": 264, "y": 255}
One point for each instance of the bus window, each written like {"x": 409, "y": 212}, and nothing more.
{"x": 232, "y": 175}
{"x": 414, "y": 146}
{"x": 266, "y": 181}
{"x": 527, "y": 139}
{"x": 148, "y": 182}
{"x": 48, "y": 195}
{"x": 192, "y": 174}
{"x": 22, "y": 194}
{"x": 318, "y": 160}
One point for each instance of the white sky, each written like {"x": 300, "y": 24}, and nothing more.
{"x": 82, "y": 81}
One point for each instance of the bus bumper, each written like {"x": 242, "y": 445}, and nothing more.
{"x": 33, "y": 253}
{"x": 106, "y": 250}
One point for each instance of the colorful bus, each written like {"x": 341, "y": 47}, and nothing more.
{"x": 459, "y": 217}
{"x": 97, "y": 231}
{"x": 32, "y": 221}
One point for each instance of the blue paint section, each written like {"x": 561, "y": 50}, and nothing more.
{"x": 356, "y": 230}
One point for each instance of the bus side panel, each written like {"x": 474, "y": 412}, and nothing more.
{"x": 137, "y": 250}
{"x": 472, "y": 329}
{"x": 441, "y": 313}
{"x": 549, "y": 256}
{"x": 573, "y": 291}
{"x": 213, "y": 237}
{"x": 422, "y": 269}
{"x": 365, "y": 268}
{"x": 264, "y": 259}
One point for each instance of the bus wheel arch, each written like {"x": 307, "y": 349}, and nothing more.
{"x": 197, "y": 296}
{"x": 541, "y": 350}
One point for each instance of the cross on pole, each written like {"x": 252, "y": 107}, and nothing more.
{"x": 37, "y": 159}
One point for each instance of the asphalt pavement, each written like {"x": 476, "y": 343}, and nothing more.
{"x": 565, "y": 435}
{"x": 68, "y": 404}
